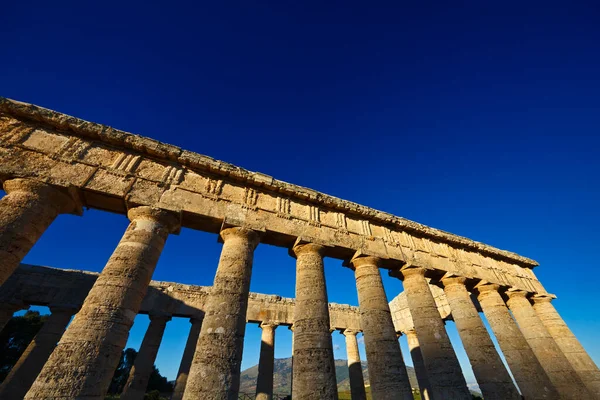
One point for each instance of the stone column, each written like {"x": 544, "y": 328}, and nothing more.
{"x": 314, "y": 368}
{"x": 31, "y": 362}
{"x": 568, "y": 344}
{"x": 264, "y": 384}
{"x": 83, "y": 363}
{"x": 559, "y": 370}
{"x": 418, "y": 364}
{"x": 387, "y": 372}
{"x": 525, "y": 367}
{"x": 26, "y": 211}
{"x": 357, "y": 381}
{"x": 215, "y": 370}
{"x": 186, "y": 360}
{"x": 7, "y": 311}
{"x": 443, "y": 370}
{"x": 491, "y": 374}
{"x": 137, "y": 382}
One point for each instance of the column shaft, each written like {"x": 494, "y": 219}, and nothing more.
{"x": 215, "y": 370}
{"x": 357, "y": 381}
{"x": 26, "y": 211}
{"x": 530, "y": 376}
{"x": 7, "y": 311}
{"x": 493, "y": 378}
{"x": 314, "y": 368}
{"x": 418, "y": 364}
{"x": 137, "y": 382}
{"x": 443, "y": 370}
{"x": 559, "y": 370}
{"x": 186, "y": 360}
{"x": 264, "y": 384}
{"x": 568, "y": 344}
{"x": 23, "y": 373}
{"x": 387, "y": 372}
{"x": 83, "y": 363}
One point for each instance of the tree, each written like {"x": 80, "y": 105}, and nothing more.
{"x": 156, "y": 382}
{"x": 16, "y": 336}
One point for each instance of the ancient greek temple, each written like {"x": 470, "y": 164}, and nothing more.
{"x": 52, "y": 164}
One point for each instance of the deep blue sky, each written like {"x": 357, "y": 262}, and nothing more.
{"x": 479, "y": 119}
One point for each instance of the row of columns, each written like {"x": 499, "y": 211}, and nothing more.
{"x": 83, "y": 362}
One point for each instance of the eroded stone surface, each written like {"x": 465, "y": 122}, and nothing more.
{"x": 357, "y": 381}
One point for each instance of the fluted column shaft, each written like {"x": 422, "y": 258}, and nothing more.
{"x": 568, "y": 344}
{"x": 215, "y": 370}
{"x": 264, "y": 383}
{"x": 137, "y": 382}
{"x": 418, "y": 364}
{"x": 493, "y": 378}
{"x": 559, "y": 370}
{"x": 186, "y": 360}
{"x": 26, "y": 211}
{"x": 531, "y": 378}
{"x": 314, "y": 368}
{"x": 23, "y": 373}
{"x": 7, "y": 311}
{"x": 357, "y": 381}
{"x": 387, "y": 372}
{"x": 443, "y": 368}
{"x": 83, "y": 363}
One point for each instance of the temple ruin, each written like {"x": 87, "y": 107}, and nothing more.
{"x": 54, "y": 164}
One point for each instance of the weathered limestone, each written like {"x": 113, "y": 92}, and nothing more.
{"x": 387, "y": 372}
{"x": 493, "y": 378}
{"x": 357, "y": 381}
{"x": 85, "y": 359}
{"x": 443, "y": 370}
{"x": 136, "y": 385}
{"x": 26, "y": 211}
{"x": 23, "y": 373}
{"x": 568, "y": 344}
{"x": 559, "y": 369}
{"x": 264, "y": 383}
{"x": 418, "y": 364}
{"x": 186, "y": 360}
{"x": 531, "y": 378}
{"x": 215, "y": 370}
{"x": 7, "y": 310}
{"x": 314, "y": 369}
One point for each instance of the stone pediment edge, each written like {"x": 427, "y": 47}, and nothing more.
{"x": 199, "y": 162}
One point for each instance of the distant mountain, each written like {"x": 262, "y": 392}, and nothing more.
{"x": 282, "y": 377}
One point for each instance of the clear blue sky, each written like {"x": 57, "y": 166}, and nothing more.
{"x": 480, "y": 119}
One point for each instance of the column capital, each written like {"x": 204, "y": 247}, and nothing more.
{"x": 291, "y": 328}
{"x": 159, "y": 316}
{"x": 268, "y": 325}
{"x": 359, "y": 260}
{"x": 64, "y": 308}
{"x": 407, "y": 271}
{"x": 516, "y": 293}
{"x": 486, "y": 287}
{"x": 250, "y": 235}
{"x": 449, "y": 280}
{"x": 195, "y": 319}
{"x": 351, "y": 332}
{"x": 541, "y": 299}
{"x": 67, "y": 200}
{"x": 171, "y": 220}
{"x": 302, "y": 247}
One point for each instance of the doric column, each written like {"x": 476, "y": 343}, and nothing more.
{"x": 186, "y": 360}
{"x": 7, "y": 310}
{"x": 215, "y": 370}
{"x": 357, "y": 381}
{"x": 568, "y": 344}
{"x": 85, "y": 359}
{"x": 525, "y": 367}
{"x": 559, "y": 370}
{"x": 26, "y": 211}
{"x": 136, "y": 385}
{"x": 387, "y": 372}
{"x": 314, "y": 368}
{"x": 492, "y": 377}
{"x": 443, "y": 370}
{"x": 264, "y": 383}
{"x": 418, "y": 364}
{"x": 31, "y": 362}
